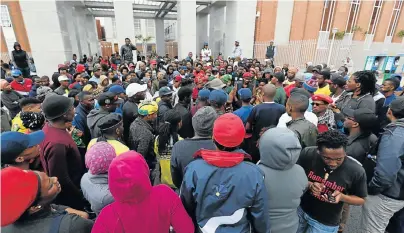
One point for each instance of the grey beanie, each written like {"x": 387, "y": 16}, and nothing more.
{"x": 203, "y": 121}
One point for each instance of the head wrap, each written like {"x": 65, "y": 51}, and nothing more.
{"x": 99, "y": 157}
{"x": 147, "y": 108}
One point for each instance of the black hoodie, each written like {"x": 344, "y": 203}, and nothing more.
{"x": 20, "y": 57}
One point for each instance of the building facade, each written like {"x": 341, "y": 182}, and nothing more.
{"x": 303, "y": 30}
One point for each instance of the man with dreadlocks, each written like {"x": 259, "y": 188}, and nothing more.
{"x": 334, "y": 179}
{"x": 360, "y": 87}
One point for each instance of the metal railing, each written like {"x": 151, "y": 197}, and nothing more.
{"x": 298, "y": 53}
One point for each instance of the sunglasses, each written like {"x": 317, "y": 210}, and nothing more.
{"x": 316, "y": 104}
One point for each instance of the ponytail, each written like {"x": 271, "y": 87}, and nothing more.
{"x": 168, "y": 129}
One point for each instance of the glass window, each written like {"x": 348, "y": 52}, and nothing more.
{"x": 394, "y": 17}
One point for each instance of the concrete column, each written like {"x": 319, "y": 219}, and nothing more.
{"x": 217, "y": 14}
{"x": 284, "y": 13}
{"x": 160, "y": 42}
{"x": 186, "y": 20}
{"x": 202, "y": 31}
{"x": 93, "y": 43}
{"x": 240, "y": 25}
{"x": 124, "y": 21}
{"x": 48, "y": 35}
{"x": 67, "y": 17}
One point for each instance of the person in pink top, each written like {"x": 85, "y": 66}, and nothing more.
{"x": 139, "y": 206}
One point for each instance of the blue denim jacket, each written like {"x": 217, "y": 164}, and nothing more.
{"x": 388, "y": 177}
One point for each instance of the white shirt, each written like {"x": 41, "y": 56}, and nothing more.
{"x": 206, "y": 53}
{"x": 237, "y": 52}
{"x": 285, "y": 118}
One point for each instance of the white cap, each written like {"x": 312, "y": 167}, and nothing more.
{"x": 135, "y": 88}
{"x": 63, "y": 78}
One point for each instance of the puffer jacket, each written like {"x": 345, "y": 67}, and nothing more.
{"x": 141, "y": 139}
{"x": 139, "y": 206}
{"x": 280, "y": 149}
{"x": 388, "y": 178}
{"x": 96, "y": 191}
{"x": 224, "y": 193}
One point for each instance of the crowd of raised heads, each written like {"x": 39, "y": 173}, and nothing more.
{"x": 201, "y": 144}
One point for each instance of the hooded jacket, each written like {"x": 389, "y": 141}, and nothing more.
{"x": 92, "y": 120}
{"x": 138, "y": 206}
{"x": 224, "y": 193}
{"x": 20, "y": 57}
{"x": 96, "y": 191}
{"x": 388, "y": 178}
{"x": 285, "y": 181}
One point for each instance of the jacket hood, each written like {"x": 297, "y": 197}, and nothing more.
{"x": 16, "y": 44}
{"x": 94, "y": 116}
{"x": 128, "y": 177}
{"x": 279, "y": 148}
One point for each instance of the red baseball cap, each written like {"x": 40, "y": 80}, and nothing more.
{"x": 228, "y": 130}
{"x": 80, "y": 68}
{"x": 247, "y": 75}
{"x": 19, "y": 189}
{"x": 321, "y": 97}
{"x": 153, "y": 62}
{"x": 178, "y": 78}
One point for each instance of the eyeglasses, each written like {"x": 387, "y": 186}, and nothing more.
{"x": 316, "y": 104}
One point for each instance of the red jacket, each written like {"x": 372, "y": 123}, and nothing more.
{"x": 138, "y": 206}
{"x": 22, "y": 88}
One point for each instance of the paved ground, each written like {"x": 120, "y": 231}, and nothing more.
{"x": 354, "y": 219}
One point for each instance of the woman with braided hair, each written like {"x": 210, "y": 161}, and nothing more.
{"x": 165, "y": 140}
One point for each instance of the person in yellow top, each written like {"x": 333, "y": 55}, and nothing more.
{"x": 111, "y": 127}
{"x": 163, "y": 145}
{"x": 29, "y": 104}
{"x": 323, "y": 78}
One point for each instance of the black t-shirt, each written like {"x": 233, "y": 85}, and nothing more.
{"x": 264, "y": 115}
{"x": 349, "y": 178}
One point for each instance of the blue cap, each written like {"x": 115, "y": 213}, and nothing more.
{"x": 117, "y": 89}
{"x": 245, "y": 93}
{"x": 16, "y": 73}
{"x": 183, "y": 68}
{"x": 14, "y": 143}
{"x": 218, "y": 96}
{"x": 165, "y": 91}
{"x": 204, "y": 94}
{"x": 206, "y": 43}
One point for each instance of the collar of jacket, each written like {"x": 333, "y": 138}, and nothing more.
{"x": 144, "y": 123}
{"x": 294, "y": 121}
{"x": 98, "y": 179}
{"x": 80, "y": 107}
{"x": 399, "y": 122}
{"x": 222, "y": 158}
{"x": 357, "y": 137}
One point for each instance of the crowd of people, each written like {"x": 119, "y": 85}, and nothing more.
{"x": 199, "y": 145}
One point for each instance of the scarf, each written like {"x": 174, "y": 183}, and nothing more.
{"x": 327, "y": 119}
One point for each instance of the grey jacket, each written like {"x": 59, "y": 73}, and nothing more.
{"x": 388, "y": 178}
{"x": 346, "y": 101}
{"x": 285, "y": 181}
{"x": 42, "y": 221}
{"x": 305, "y": 131}
{"x": 96, "y": 191}
{"x": 92, "y": 121}
{"x": 359, "y": 146}
{"x": 141, "y": 139}
{"x": 60, "y": 90}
